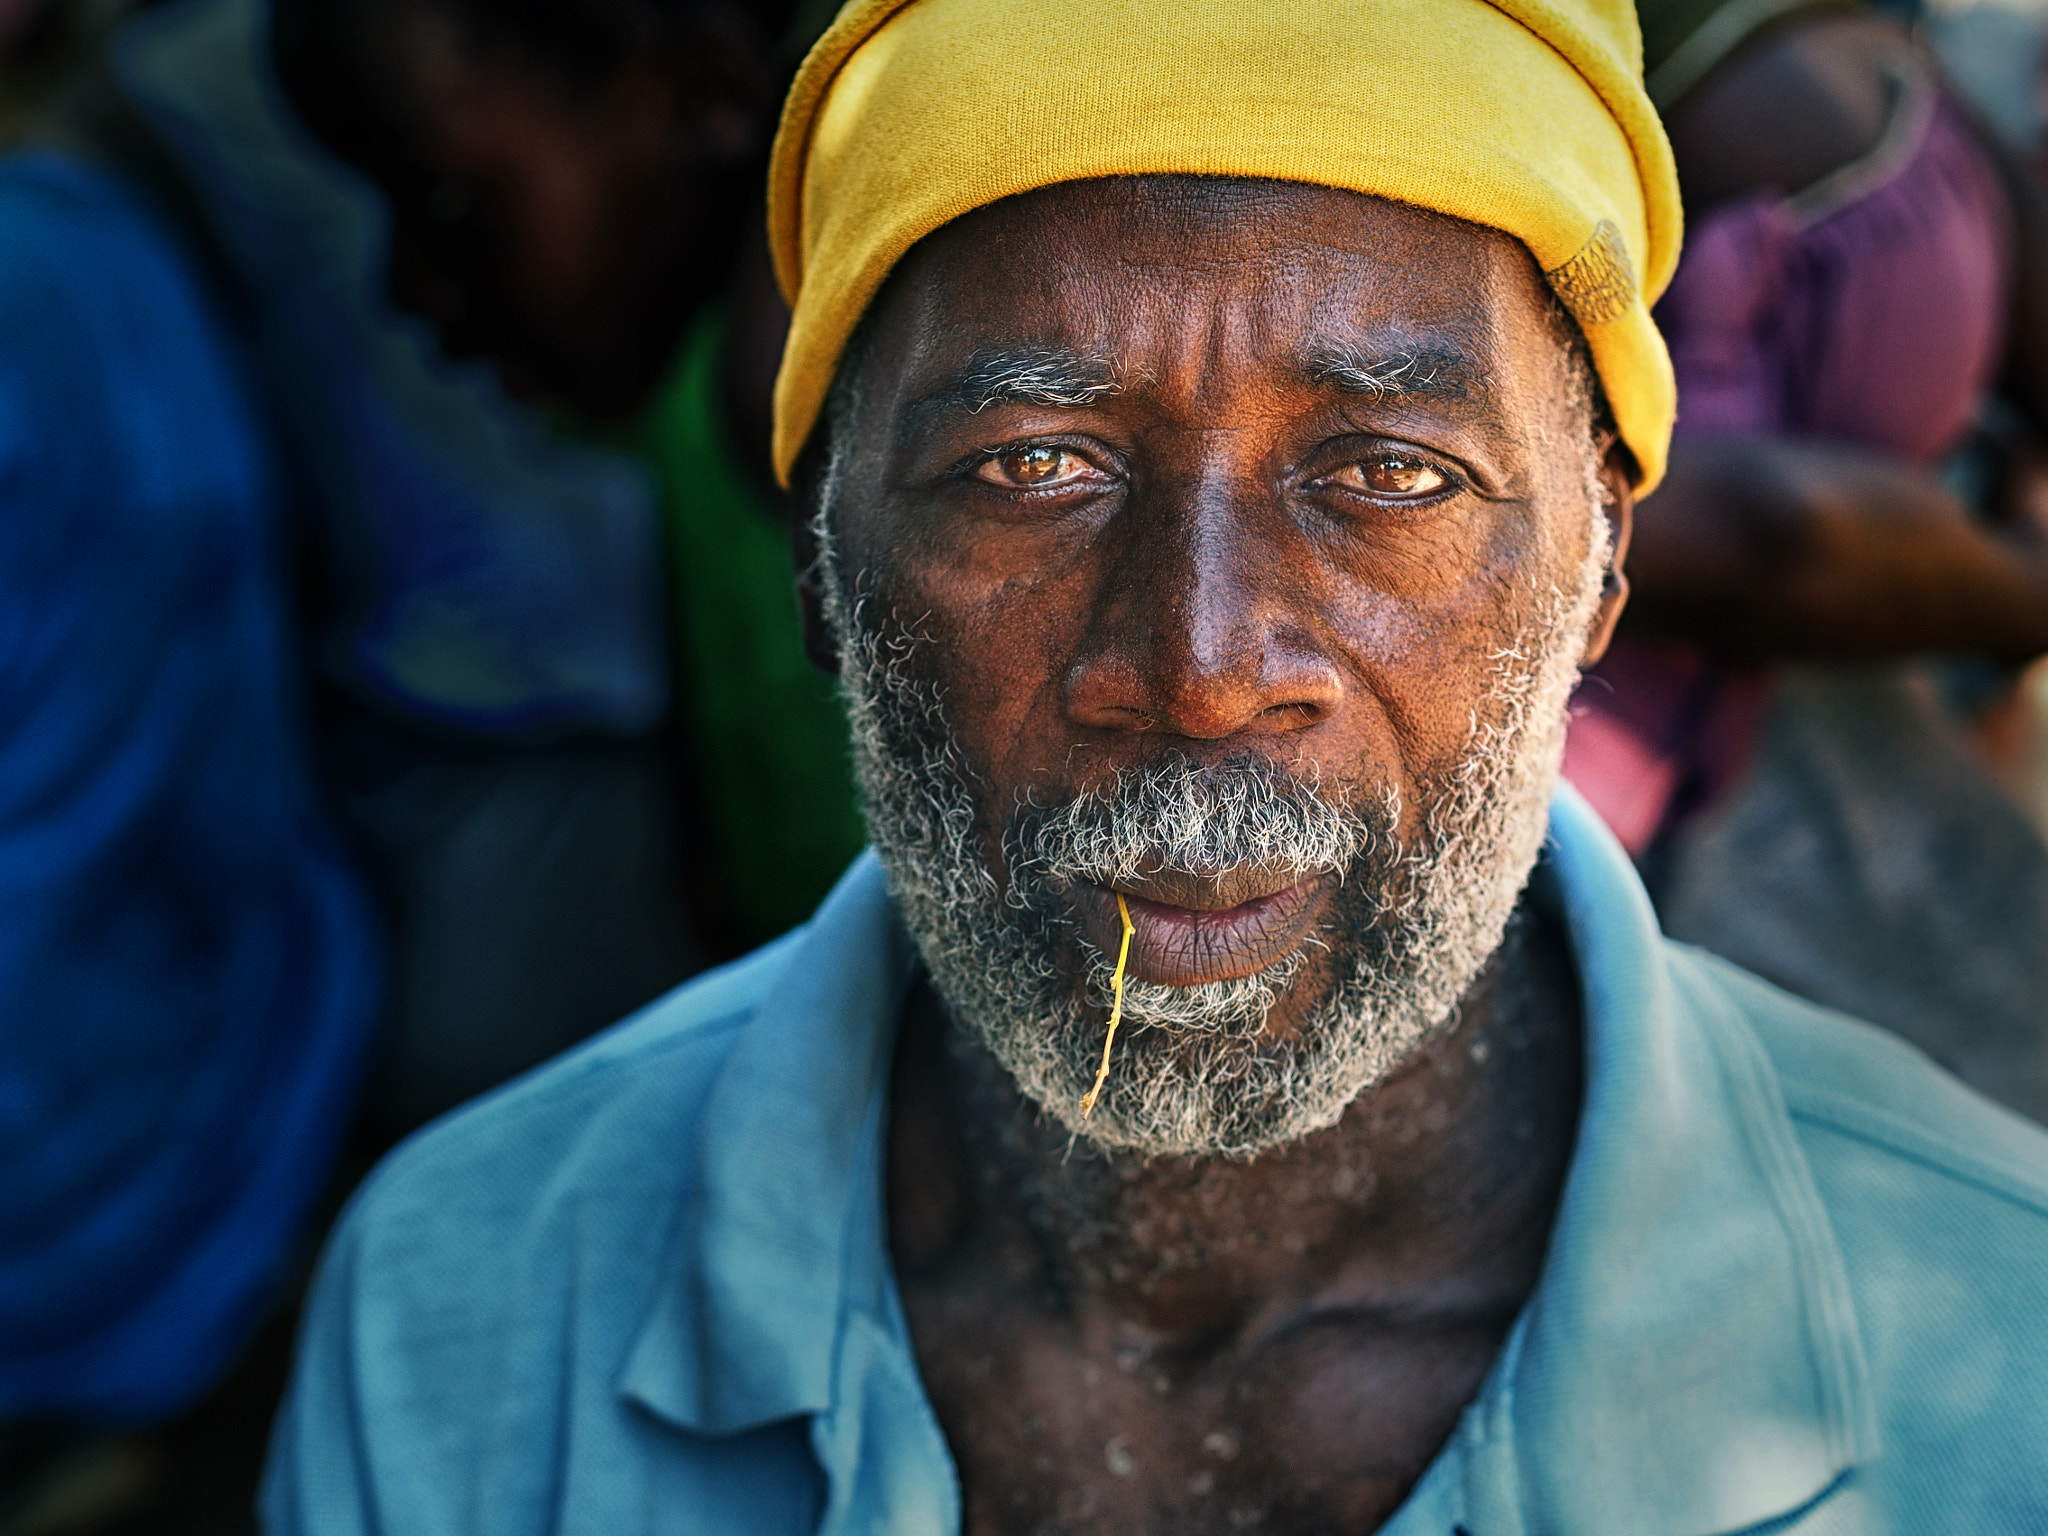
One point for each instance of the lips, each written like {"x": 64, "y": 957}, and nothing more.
{"x": 1187, "y": 929}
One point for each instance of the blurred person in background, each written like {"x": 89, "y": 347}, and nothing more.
{"x": 190, "y": 963}
{"x": 493, "y": 563}
{"x": 1788, "y": 733}
{"x": 488, "y": 591}
{"x": 574, "y": 192}
{"x": 475, "y": 587}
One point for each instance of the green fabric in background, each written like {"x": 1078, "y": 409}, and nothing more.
{"x": 766, "y": 727}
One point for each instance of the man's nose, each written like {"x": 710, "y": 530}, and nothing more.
{"x": 1204, "y": 626}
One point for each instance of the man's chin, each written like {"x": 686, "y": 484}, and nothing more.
{"x": 1194, "y": 1071}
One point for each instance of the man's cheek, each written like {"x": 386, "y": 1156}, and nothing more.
{"x": 1000, "y": 682}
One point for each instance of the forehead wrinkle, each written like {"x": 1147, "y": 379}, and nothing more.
{"x": 1260, "y": 312}
{"x": 1159, "y": 298}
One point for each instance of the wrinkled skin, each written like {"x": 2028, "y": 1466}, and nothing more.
{"x": 1224, "y": 555}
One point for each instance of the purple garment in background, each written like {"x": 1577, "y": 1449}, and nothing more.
{"x": 1867, "y": 310}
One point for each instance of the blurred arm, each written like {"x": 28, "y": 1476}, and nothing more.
{"x": 1764, "y": 548}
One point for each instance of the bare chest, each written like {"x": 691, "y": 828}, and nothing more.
{"x": 1324, "y": 1427}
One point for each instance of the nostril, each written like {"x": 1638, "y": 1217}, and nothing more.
{"x": 1123, "y": 717}
{"x": 1203, "y": 704}
{"x": 1292, "y": 717}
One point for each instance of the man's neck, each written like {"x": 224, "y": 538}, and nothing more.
{"x": 1407, "y": 1237}
{"x": 1452, "y": 1167}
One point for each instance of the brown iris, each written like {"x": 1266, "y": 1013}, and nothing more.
{"x": 1398, "y": 475}
{"x": 1039, "y": 464}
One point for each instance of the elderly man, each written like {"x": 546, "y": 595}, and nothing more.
{"x": 1223, "y": 422}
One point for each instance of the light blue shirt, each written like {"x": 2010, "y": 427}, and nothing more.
{"x": 1798, "y": 1281}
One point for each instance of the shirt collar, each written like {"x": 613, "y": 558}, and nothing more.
{"x": 744, "y": 1329}
{"x": 1689, "y": 1362}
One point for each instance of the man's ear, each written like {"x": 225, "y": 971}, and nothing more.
{"x": 819, "y": 644}
{"x": 1618, "y": 496}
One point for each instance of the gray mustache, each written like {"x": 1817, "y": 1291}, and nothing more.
{"x": 1177, "y": 815}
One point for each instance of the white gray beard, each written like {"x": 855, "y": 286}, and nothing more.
{"x": 1408, "y": 930}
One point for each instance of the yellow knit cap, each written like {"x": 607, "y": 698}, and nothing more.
{"x": 1525, "y": 115}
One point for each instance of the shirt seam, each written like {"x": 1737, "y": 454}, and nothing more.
{"x": 1902, "y": 1138}
{"x": 1833, "y": 1327}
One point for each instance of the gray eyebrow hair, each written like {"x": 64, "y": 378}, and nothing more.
{"x": 1032, "y": 376}
{"x": 1437, "y": 371}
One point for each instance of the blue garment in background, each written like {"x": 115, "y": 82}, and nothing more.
{"x": 188, "y": 967}
{"x": 492, "y": 576}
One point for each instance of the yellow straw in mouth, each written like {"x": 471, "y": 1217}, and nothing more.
{"x": 1116, "y": 1010}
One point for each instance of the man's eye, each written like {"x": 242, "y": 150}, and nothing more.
{"x": 1033, "y": 468}
{"x": 1392, "y": 474}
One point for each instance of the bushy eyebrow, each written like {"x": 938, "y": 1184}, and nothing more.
{"x": 1070, "y": 380}
{"x": 1052, "y": 376}
{"x": 1441, "y": 372}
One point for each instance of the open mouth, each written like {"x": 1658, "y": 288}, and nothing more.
{"x": 1189, "y": 929}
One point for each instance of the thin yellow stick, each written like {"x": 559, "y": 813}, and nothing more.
{"x": 1116, "y": 1010}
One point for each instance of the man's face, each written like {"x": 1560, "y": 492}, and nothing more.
{"x": 1231, "y": 548}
